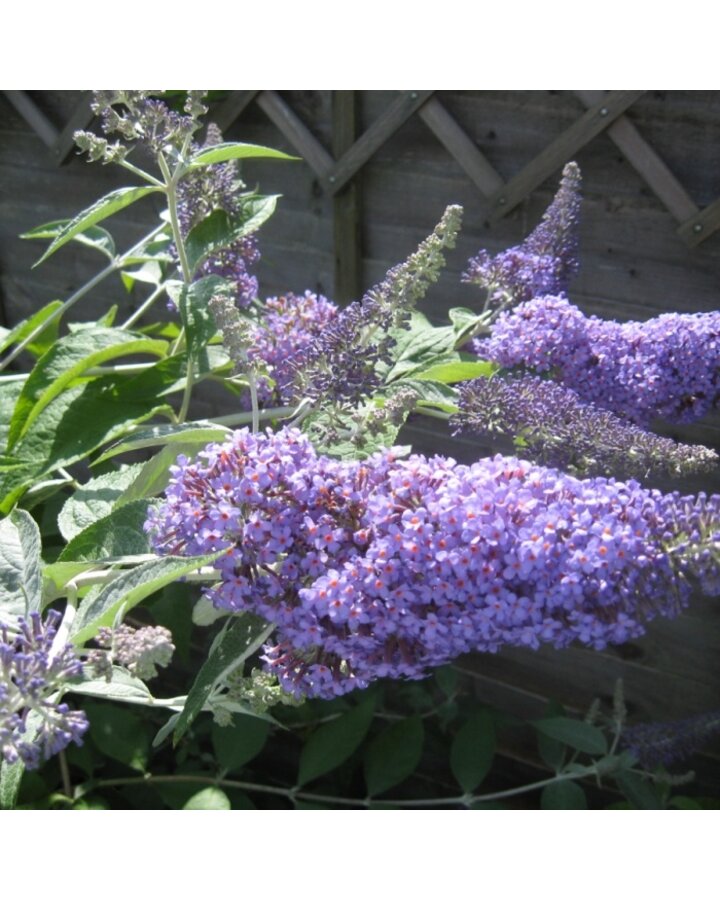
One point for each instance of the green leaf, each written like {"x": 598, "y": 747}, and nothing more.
{"x": 45, "y": 339}
{"x": 150, "y": 272}
{"x": 418, "y": 346}
{"x": 119, "y": 734}
{"x": 94, "y": 236}
{"x": 154, "y": 475}
{"x": 576, "y": 734}
{"x": 20, "y": 573}
{"x": 122, "y": 687}
{"x": 120, "y": 533}
{"x": 466, "y": 323}
{"x": 129, "y": 589}
{"x": 160, "y": 435}
{"x": 472, "y": 751}
{"x": 224, "y": 152}
{"x": 394, "y": 755}
{"x": 638, "y": 790}
{"x": 104, "y": 208}
{"x": 434, "y": 394}
{"x": 552, "y": 752}
{"x": 453, "y": 372}
{"x": 209, "y": 798}
{"x": 96, "y": 499}
{"x": 331, "y": 744}
{"x": 192, "y": 302}
{"x": 563, "y": 795}
{"x": 74, "y": 425}
{"x": 10, "y": 779}
{"x": 237, "y": 744}
{"x": 218, "y": 230}
{"x": 68, "y": 360}
{"x": 240, "y": 640}
{"x": 446, "y": 678}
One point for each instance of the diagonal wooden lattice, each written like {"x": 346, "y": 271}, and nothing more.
{"x": 605, "y": 112}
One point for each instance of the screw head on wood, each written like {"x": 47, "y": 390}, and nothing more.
{"x": 604, "y": 111}
{"x": 332, "y": 179}
{"x": 413, "y": 95}
{"x": 697, "y": 228}
{"x": 502, "y": 201}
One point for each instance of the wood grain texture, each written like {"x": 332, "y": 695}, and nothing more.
{"x": 634, "y": 265}
{"x": 562, "y": 149}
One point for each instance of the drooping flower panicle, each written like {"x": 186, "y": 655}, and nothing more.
{"x": 388, "y": 567}
{"x": 666, "y": 743}
{"x": 557, "y": 428}
{"x": 341, "y": 364}
{"x": 33, "y": 725}
{"x": 219, "y": 187}
{"x": 547, "y": 259}
{"x": 667, "y": 368}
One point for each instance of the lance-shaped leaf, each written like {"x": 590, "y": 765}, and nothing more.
{"x": 68, "y": 360}
{"x": 45, "y": 339}
{"x": 394, "y": 755}
{"x": 10, "y": 779}
{"x": 225, "y": 152}
{"x": 131, "y": 588}
{"x": 95, "y": 500}
{"x": 219, "y": 230}
{"x": 160, "y": 435}
{"x": 20, "y": 572}
{"x": 120, "y": 533}
{"x": 239, "y": 641}
{"x": 94, "y": 236}
{"x": 331, "y": 744}
{"x": 455, "y": 371}
{"x": 104, "y": 208}
{"x": 573, "y": 732}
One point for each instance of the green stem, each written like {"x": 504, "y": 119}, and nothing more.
{"x": 187, "y": 391}
{"x": 141, "y": 173}
{"x": 171, "y": 182}
{"x": 141, "y": 310}
{"x": 432, "y": 413}
{"x": 273, "y": 412}
{"x": 114, "y": 266}
{"x": 293, "y": 793}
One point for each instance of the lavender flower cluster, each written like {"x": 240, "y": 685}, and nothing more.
{"x": 33, "y": 726}
{"x": 666, "y": 368}
{"x": 140, "y": 650}
{"x": 200, "y": 193}
{"x": 546, "y": 260}
{"x": 390, "y": 566}
{"x": 666, "y": 743}
{"x": 556, "y": 428}
{"x": 139, "y": 116}
{"x": 342, "y": 365}
{"x": 288, "y": 326}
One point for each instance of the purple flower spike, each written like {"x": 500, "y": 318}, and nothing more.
{"x": 667, "y": 368}
{"x": 547, "y": 259}
{"x": 30, "y": 673}
{"x": 388, "y": 567}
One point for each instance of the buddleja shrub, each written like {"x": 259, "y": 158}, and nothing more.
{"x": 322, "y": 556}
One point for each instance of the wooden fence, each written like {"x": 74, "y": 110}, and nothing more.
{"x": 378, "y": 169}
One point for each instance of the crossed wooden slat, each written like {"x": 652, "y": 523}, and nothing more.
{"x": 605, "y": 112}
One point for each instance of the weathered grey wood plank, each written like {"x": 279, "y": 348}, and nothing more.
{"x": 347, "y": 209}
{"x": 562, "y": 149}
{"x": 452, "y": 136}
{"x": 296, "y": 132}
{"x": 231, "y": 108}
{"x": 379, "y": 132}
